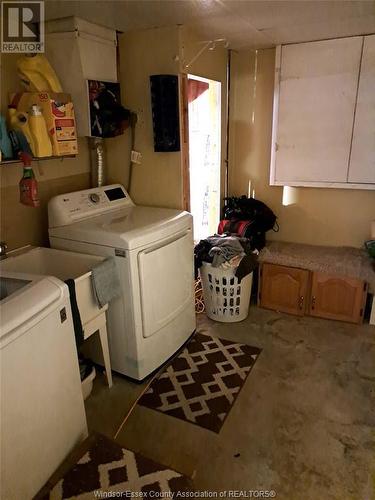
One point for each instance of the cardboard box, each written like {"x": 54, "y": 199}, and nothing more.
{"x": 58, "y": 112}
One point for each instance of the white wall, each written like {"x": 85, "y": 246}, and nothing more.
{"x": 159, "y": 180}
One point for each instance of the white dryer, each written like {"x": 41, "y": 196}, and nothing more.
{"x": 153, "y": 249}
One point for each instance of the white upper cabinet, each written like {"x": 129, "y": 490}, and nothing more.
{"x": 362, "y": 159}
{"x": 315, "y": 113}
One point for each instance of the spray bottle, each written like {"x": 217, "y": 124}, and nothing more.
{"x": 28, "y": 184}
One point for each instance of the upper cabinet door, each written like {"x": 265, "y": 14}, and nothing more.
{"x": 362, "y": 160}
{"x": 318, "y": 87}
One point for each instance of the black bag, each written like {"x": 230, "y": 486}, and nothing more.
{"x": 244, "y": 208}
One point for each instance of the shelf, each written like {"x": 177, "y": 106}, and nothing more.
{"x": 13, "y": 162}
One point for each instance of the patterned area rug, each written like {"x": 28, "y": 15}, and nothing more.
{"x": 201, "y": 384}
{"x": 101, "y": 469}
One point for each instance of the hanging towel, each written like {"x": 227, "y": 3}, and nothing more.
{"x": 77, "y": 323}
{"x": 105, "y": 282}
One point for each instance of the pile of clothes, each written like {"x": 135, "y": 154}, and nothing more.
{"x": 248, "y": 218}
{"x": 241, "y": 235}
{"x": 226, "y": 252}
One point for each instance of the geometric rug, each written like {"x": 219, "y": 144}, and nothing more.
{"x": 102, "y": 469}
{"x": 201, "y": 384}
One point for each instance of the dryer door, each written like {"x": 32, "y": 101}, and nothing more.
{"x": 166, "y": 281}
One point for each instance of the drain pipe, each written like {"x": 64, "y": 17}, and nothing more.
{"x": 98, "y": 170}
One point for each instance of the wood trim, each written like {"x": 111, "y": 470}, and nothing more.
{"x": 184, "y": 106}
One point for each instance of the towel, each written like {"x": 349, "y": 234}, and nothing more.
{"x": 105, "y": 281}
{"x": 247, "y": 265}
{"x": 77, "y": 323}
{"x": 224, "y": 249}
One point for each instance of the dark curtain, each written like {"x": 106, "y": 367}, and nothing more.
{"x": 196, "y": 88}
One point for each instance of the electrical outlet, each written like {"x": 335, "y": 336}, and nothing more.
{"x": 136, "y": 157}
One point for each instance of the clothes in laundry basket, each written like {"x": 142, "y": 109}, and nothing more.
{"x": 246, "y": 266}
{"x": 233, "y": 262}
{"x": 226, "y": 251}
{"x": 106, "y": 282}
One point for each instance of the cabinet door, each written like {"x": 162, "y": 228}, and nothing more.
{"x": 362, "y": 159}
{"x": 338, "y": 298}
{"x": 283, "y": 288}
{"x": 318, "y": 86}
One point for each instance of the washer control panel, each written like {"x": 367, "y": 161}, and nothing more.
{"x": 71, "y": 207}
{"x": 94, "y": 197}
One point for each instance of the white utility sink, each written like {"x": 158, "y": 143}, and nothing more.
{"x": 62, "y": 265}
{"x": 8, "y": 286}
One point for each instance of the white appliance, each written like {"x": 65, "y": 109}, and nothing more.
{"x": 153, "y": 249}
{"x": 42, "y": 410}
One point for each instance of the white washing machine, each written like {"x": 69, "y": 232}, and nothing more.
{"x": 42, "y": 412}
{"x": 153, "y": 249}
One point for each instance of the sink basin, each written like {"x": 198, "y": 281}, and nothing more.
{"x": 10, "y": 285}
{"x": 61, "y": 264}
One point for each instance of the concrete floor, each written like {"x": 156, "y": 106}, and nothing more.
{"x": 303, "y": 424}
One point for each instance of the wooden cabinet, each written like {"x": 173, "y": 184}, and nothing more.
{"x": 336, "y": 297}
{"x": 324, "y": 114}
{"x": 283, "y": 288}
{"x": 299, "y": 291}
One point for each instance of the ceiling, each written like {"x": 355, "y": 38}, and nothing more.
{"x": 243, "y": 23}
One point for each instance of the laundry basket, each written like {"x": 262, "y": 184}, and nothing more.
{"x": 225, "y": 298}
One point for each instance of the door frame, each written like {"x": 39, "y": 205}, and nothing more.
{"x": 184, "y": 133}
{"x": 184, "y": 138}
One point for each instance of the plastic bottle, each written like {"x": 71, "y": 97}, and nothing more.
{"x": 5, "y": 144}
{"x": 37, "y": 74}
{"x": 20, "y": 121}
{"x": 39, "y": 133}
{"x": 28, "y": 184}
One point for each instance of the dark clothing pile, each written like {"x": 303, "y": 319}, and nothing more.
{"x": 242, "y": 231}
{"x": 218, "y": 250}
{"x": 248, "y": 218}
{"x": 249, "y": 209}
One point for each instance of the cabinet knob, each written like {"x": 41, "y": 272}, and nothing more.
{"x": 301, "y": 299}
{"x": 313, "y": 299}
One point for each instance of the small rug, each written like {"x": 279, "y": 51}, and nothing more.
{"x": 101, "y": 468}
{"x": 201, "y": 384}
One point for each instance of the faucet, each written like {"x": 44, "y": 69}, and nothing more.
{"x": 3, "y": 250}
